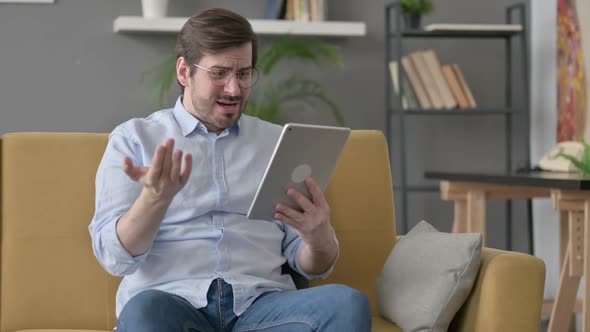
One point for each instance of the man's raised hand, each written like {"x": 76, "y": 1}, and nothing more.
{"x": 164, "y": 178}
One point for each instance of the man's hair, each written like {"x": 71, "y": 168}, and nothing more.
{"x": 211, "y": 32}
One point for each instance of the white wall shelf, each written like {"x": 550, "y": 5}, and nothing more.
{"x": 169, "y": 25}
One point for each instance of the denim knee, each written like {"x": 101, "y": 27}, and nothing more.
{"x": 145, "y": 311}
{"x": 351, "y": 305}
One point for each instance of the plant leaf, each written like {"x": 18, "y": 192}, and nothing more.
{"x": 583, "y": 167}
{"x": 586, "y": 152}
{"x": 161, "y": 78}
{"x": 294, "y": 89}
{"x": 290, "y": 48}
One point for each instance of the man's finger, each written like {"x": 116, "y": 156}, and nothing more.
{"x": 156, "y": 167}
{"x": 131, "y": 171}
{"x": 186, "y": 171}
{"x": 316, "y": 194}
{"x": 175, "y": 170}
{"x": 135, "y": 173}
{"x": 287, "y": 220}
{"x": 301, "y": 200}
{"x": 289, "y": 212}
{"x": 127, "y": 164}
{"x": 167, "y": 159}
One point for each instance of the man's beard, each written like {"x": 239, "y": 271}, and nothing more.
{"x": 206, "y": 114}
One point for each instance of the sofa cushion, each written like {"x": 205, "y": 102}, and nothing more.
{"x": 427, "y": 277}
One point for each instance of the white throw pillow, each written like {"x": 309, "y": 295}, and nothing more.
{"x": 427, "y": 278}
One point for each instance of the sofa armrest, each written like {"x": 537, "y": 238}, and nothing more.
{"x": 507, "y": 295}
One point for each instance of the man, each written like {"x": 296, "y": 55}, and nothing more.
{"x": 172, "y": 221}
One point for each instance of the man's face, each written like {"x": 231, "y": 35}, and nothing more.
{"x": 217, "y": 103}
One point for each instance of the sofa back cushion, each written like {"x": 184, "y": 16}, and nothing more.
{"x": 50, "y": 277}
{"x": 361, "y": 201}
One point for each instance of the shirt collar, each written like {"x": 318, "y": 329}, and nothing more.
{"x": 188, "y": 122}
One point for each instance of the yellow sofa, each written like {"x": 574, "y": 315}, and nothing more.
{"x": 50, "y": 279}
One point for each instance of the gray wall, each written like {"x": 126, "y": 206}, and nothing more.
{"x": 543, "y": 130}
{"x": 63, "y": 69}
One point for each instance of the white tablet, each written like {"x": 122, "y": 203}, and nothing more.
{"x": 302, "y": 151}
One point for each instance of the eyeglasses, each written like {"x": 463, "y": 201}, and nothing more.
{"x": 220, "y": 77}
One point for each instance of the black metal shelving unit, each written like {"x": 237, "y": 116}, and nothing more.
{"x": 395, "y": 37}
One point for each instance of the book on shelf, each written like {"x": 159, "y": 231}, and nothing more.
{"x": 317, "y": 10}
{"x": 275, "y": 9}
{"x": 464, "y": 87}
{"x": 301, "y": 10}
{"x": 416, "y": 83}
{"x": 434, "y": 67}
{"x": 445, "y": 27}
{"x": 393, "y": 72}
{"x": 409, "y": 92}
{"x": 290, "y": 12}
{"x": 455, "y": 86}
{"x": 409, "y": 98}
{"x": 304, "y": 10}
{"x": 427, "y": 79}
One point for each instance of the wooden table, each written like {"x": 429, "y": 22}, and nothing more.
{"x": 570, "y": 194}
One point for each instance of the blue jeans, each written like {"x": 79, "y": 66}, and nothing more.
{"x": 324, "y": 308}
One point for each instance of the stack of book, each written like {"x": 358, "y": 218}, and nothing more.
{"x": 296, "y": 10}
{"x": 429, "y": 85}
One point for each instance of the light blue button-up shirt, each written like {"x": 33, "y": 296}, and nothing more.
{"x": 205, "y": 233}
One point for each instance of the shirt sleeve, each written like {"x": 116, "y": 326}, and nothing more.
{"x": 292, "y": 246}
{"x": 115, "y": 193}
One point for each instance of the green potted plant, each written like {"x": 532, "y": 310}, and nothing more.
{"x": 271, "y": 96}
{"x": 583, "y": 164}
{"x": 413, "y": 10}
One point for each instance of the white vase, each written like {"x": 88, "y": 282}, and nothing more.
{"x": 154, "y": 8}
